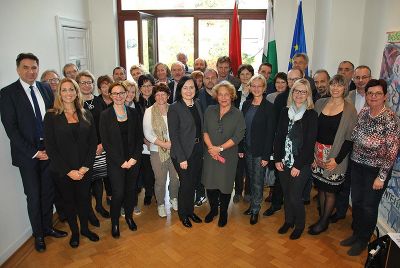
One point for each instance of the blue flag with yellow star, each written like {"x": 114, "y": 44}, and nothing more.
{"x": 299, "y": 37}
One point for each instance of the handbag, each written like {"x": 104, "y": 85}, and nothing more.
{"x": 378, "y": 251}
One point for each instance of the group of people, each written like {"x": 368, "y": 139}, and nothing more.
{"x": 207, "y": 132}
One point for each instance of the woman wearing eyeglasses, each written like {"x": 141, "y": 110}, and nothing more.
{"x": 122, "y": 137}
{"x": 294, "y": 153}
{"x": 185, "y": 125}
{"x": 71, "y": 145}
{"x": 375, "y": 148}
{"x": 336, "y": 120}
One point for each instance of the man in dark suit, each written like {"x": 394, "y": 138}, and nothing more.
{"x": 177, "y": 72}
{"x": 346, "y": 68}
{"x": 23, "y": 105}
{"x": 224, "y": 70}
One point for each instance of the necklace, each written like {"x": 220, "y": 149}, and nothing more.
{"x": 121, "y": 117}
{"x": 90, "y": 105}
{"x": 381, "y": 111}
{"x": 190, "y": 105}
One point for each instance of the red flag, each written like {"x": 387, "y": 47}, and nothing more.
{"x": 235, "y": 52}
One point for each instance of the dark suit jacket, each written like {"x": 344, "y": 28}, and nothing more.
{"x": 111, "y": 136}
{"x": 18, "y": 118}
{"x": 182, "y": 130}
{"x": 262, "y": 129}
{"x": 64, "y": 151}
{"x": 171, "y": 88}
{"x": 307, "y": 128}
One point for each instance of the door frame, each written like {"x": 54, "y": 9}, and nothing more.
{"x": 62, "y": 22}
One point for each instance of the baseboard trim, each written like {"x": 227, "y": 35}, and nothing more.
{"x": 20, "y": 248}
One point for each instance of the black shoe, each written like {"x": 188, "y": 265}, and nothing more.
{"x": 223, "y": 219}
{"x": 186, "y": 222}
{"x": 195, "y": 218}
{"x": 103, "y": 212}
{"x": 131, "y": 224}
{"x": 55, "y": 233}
{"x": 74, "y": 241}
{"x": 270, "y": 211}
{"x": 317, "y": 229}
{"x": 296, "y": 234}
{"x": 93, "y": 220}
{"x": 147, "y": 200}
{"x": 247, "y": 212}
{"x": 40, "y": 245}
{"x": 284, "y": 228}
{"x": 210, "y": 216}
{"x": 254, "y": 218}
{"x": 335, "y": 218}
{"x": 349, "y": 241}
{"x": 357, "y": 248}
{"x": 115, "y": 230}
{"x": 89, "y": 234}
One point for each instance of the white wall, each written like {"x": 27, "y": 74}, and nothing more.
{"x": 25, "y": 26}
{"x": 102, "y": 15}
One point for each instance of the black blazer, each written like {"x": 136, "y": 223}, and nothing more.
{"x": 111, "y": 136}
{"x": 308, "y": 127}
{"x": 182, "y": 130}
{"x": 18, "y": 118}
{"x": 262, "y": 129}
{"x": 64, "y": 151}
{"x": 171, "y": 86}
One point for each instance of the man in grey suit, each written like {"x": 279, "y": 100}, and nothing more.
{"x": 362, "y": 75}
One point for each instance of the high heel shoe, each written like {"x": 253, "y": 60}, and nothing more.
{"x": 115, "y": 230}
{"x": 131, "y": 224}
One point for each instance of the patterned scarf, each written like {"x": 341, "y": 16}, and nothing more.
{"x": 161, "y": 131}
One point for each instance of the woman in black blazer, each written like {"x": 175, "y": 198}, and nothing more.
{"x": 260, "y": 131}
{"x": 185, "y": 124}
{"x": 122, "y": 137}
{"x": 294, "y": 152}
{"x": 70, "y": 138}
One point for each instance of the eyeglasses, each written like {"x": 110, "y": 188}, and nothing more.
{"x": 119, "y": 94}
{"x": 375, "y": 94}
{"x": 301, "y": 92}
{"x": 87, "y": 83}
{"x": 361, "y": 77}
{"x": 53, "y": 80}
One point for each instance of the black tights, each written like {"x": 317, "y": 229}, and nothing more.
{"x": 326, "y": 204}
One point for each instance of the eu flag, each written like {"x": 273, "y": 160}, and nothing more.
{"x": 299, "y": 37}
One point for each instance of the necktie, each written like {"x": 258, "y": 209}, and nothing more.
{"x": 38, "y": 115}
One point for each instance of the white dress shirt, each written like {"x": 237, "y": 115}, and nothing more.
{"x": 39, "y": 97}
{"x": 360, "y": 102}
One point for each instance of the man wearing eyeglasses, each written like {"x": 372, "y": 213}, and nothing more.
{"x": 52, "y": 78}
{"x": 362, "y": 75}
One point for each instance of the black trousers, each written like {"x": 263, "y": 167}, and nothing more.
{"x": 214, "y": 197}
{"x": 123, "y": 185}
{"x": 146, "y": 175}
{"x": 242, "y": 181}
{"x": 188, "y": 178}
{"x": 58, "y": 200}
{"x": 365, "y": 200}
{"x": 342, "y": 197}
{"x": 293, "y": 188}
{"x": 277, "y": 194}
{"x": 75, "y": 196}
{"x": 39, "y": 190}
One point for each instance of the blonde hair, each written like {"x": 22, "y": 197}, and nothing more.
{"x": 127, "y": 84}
{"x": 304, "y": 82}
{"x": 227, "y": 85}
{"x": 258, "y": 77}
{"x": 58, "y": 107}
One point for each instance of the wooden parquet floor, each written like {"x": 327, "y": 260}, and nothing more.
{"x": 166, "y": 243}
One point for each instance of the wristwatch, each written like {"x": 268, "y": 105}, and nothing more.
{"x": 221, "y": 149}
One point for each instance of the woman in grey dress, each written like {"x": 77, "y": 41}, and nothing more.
{"x": 224, "y": 128}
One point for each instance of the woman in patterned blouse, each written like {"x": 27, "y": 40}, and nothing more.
{"x": 376, "y": 144}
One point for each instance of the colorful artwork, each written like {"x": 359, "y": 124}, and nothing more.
{"x": 389, "y": 210}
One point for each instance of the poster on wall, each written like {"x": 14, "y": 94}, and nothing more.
{"x": 389, "y": 209}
